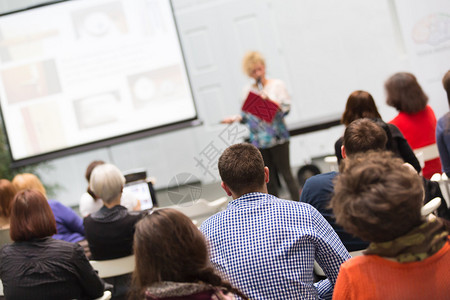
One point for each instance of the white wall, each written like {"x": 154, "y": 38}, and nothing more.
{"x": 322, "y": 49}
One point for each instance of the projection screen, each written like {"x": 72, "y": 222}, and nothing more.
{"x": 81, "y": 74}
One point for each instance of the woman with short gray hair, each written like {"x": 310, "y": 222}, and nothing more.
{"x": 110, "y": 230}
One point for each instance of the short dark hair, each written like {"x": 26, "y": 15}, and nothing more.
{"x": 241, "y": 167}
{"x": 91, "y": 167}
{"x": 377, "y": 197}
{"x": 169, "y": 247}
{"x": 88, "y": 173}
{"x": 446, "y": 84}
{"x": 7, "y": 193}
{"x": 404, "y": 93}
{"x": 360, "y": 104}
{"x": 363, "y": 135}
{"x": 31, "y": 216}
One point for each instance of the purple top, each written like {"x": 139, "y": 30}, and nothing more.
{"x": 69, "y": 226}
{"x": 443, "y": 142}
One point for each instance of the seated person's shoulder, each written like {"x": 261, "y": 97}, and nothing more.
{"x": 318, "y": 183}
{"x": 139, "y": 214}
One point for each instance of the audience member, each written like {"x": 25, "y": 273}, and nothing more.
{"x": 360, "y": 104}
{"x": 416, "y": 119}
{"x": 443, "y": 131}
{"x": 69, "y": 226}
{"x": 271, "y": 138}
{"x": 110, "y": 230}
{"x": 36, "y": 266}
{"x": 305, "y": 172}
{"x": 360, "y": 136}
{"x": 89, "y": 203}
{"x": 7, "y": 193}
{"x": 172, "y": 260}
{"x": 379, "y": 199}
{"x": 266, "y": 246}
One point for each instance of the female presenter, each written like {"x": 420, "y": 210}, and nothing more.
{"x": 271, "y": 138}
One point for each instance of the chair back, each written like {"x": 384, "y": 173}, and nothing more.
{"x": 430, "y": 207}
{"x": 426, "y": 153}
{"x": 113, "y": 267}
{"x": 202, "y": 207}
{"x": 318, "y": 270}
{"x": 106, "y": 295}
{"x": 444, "y": 184}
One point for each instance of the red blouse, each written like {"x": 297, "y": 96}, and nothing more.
{"x": 419, "y": 129}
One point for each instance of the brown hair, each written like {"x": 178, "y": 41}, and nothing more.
{"x": 241, "y": 167}
{"x": 7, "y": 193}
{"x": 31, "y": 216}
{"x": 88, "y": 173}
{"x": 249, "y": 61}
{"x": 28, "y": 181}
{"x": 376, "y": 197}
{"x": 169, "y": 247}
{"x": 363, "y": 135}
{"x": 446, "y": 84}
{"x": 360, "y": 104}
{"x": 404, "y": 93}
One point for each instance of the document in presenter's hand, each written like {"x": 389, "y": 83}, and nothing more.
{"x": 259, "y": 107}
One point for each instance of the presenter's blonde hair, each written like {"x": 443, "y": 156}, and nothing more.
{"x": 249, "y": 61}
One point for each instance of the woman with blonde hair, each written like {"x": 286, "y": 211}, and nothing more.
{"x": 68, "y": 224}
{"x": 270, "y": 137}
{"x": 172, "y": 261}
{"x": 7, "y": 193}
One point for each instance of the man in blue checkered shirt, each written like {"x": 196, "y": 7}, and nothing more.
{"x": 264, "y": 245}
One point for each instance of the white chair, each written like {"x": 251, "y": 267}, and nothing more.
{"x": 426, "y": 153}
{"x": 106, "y": 295}
{"x": 332, "y": 162}
{"x": 318, "y": 270}
{"x": 444, "y": 184}
{"x": 113, "y": 267}
{"x": 430, "y": 207}
{"x": 202, "y": 207}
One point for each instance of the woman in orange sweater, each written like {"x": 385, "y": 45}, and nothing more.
{"x": 378, "y": 199}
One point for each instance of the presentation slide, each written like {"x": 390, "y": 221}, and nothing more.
{"x": 77, "y": 72}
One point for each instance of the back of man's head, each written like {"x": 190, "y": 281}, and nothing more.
{"x": 363, "y": 135}
{"x": 241, "y": 168}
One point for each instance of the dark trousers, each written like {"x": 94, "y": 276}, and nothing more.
{"x": 277, "y": 160}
